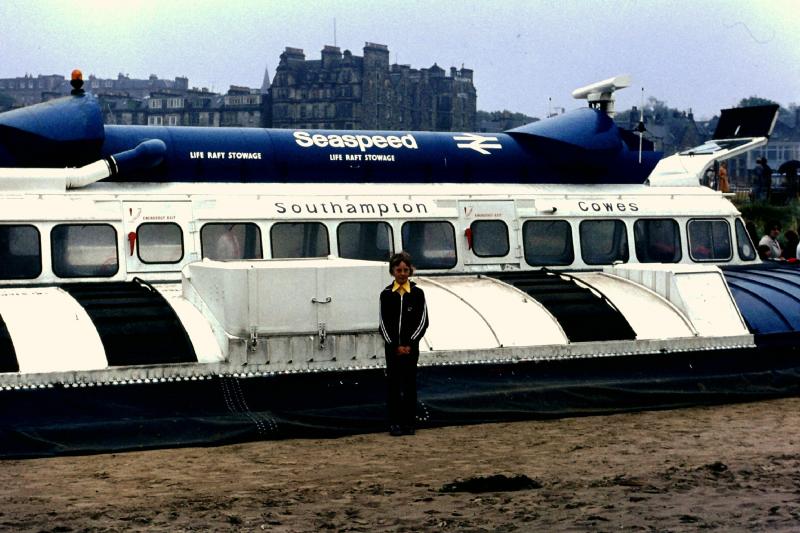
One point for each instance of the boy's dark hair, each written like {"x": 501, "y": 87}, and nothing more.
{"x": 400, "y": 257}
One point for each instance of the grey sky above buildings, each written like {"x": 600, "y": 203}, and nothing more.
{"x": 699, "y": 54}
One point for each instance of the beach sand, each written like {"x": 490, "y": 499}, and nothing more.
{"x": 729, "y": 468}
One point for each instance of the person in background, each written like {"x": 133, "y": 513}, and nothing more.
{"x": 791, "y": 182}
{"x": 760, "y": 184}
{"x": 766, "y": 179}
{"x": 771, "y": 240}
{"x": 792, "y": 241}
{"x": 763, "y": 252}
{"x": 724, "y": 183}
{"x": 403, "y": 321}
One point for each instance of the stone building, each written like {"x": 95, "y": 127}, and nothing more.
{"x": 28, "y": 90}
{"x": 338, "y": 91}
{"x": 241, "y": 107}
{"x": 133, "y": 87}
{"x": 245, "y": 108}
{"x": 344, "y": 91}
{"x": 182, "y": 108}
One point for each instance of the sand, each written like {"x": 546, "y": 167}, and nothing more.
{"x": 729, "y": 468}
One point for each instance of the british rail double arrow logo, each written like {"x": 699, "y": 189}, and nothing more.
{"x": 479, "y": 143}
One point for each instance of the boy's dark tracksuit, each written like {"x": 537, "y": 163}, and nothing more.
{"x": 403, "y": 321}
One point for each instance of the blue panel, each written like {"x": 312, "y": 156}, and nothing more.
{"x": 768, "y": 296}
{"x": 62, "y": 132}
{"x": 584, "y": 146}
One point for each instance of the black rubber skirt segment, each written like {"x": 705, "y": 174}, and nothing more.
{"x": 135, "y": 323}
{"x": 8, "y": 356}
{"x": 583, "y": 315}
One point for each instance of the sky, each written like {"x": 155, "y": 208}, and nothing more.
{"x": 528, "y": 56}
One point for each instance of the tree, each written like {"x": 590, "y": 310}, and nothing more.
{"x": 752, "y": 101}
{"x": 787, "y": 116}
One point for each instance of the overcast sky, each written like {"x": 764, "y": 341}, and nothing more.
{"x": 700, "y": 54}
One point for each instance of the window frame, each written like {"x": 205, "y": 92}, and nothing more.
{"x": 417, "y": 259}
{"x": 738, "y": 223}
{"x": 494, "y": 220}
{"x": 139, "y": 242}
{"x": 53, "y": 255}
{"x": 569, "y": 240}
{"x": 231, "y": 223}
{"x": 679, "y": 248}
{"x": 689, "y": 240}
{"x": 295, "y": 222}
{"x": 379, "y": 222}
{"x": 625, "y": 233}
{"x": 38, "y": 240}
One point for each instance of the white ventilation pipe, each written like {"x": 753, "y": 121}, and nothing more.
{"x": 147, "y": 154}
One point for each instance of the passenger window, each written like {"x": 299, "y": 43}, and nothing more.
{"x": 231, "y": 241}
{"x": 20, "y": 252}
{"x": 159, "y": 242}
{"x": 489, "y": 238}
{"x": 657, "y": 240}
{"x": 299, "y": 239}
{"x": 604, "y": 242}
{"x": 709, "y": 240}
{"x": 547, "y": 242}
{"x": 432, "y": 245}
{"x": 747, "y": 251}
{"x": 84, "y": 251}
{"x": 365, "y": 240}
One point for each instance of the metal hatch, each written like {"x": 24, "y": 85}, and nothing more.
{"x": 168, "y": 213}
{"x": 487, "y": 218}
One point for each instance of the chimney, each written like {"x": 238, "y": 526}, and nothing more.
{"x": 376, "y": 55}
{"x": 292, "y": 55}
{"x": 330, "y": 55}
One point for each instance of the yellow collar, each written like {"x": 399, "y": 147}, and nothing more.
{"x": 402, "y": 289}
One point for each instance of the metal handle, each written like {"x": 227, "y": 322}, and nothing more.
{"x": 325, "y": 301}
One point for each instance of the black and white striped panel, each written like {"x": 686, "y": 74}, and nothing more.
{"x": 8, "y": 356}
{"x": 94, "y": 326}
{"x": 135, "y": 323}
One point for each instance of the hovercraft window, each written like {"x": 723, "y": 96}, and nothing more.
{"x": 84, "y": 250}
{"x": 299, "y": 239}
{"x": 432, "y": 245}
{"x": 20, "y": 252}
{"x": 489, "y": 238}
{"x": 230, "y": 241}
{"x": 159, "y": 242}
{"x": 657, "y": 240}
{"x": 709, "y": 240}
{"x": 371, "y": 241}
{"x": 747, "y": 251}
{"x": 604, "y": 242}
{"x": 547, "y": 242}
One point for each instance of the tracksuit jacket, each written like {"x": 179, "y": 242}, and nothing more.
{"x": 404, "y": 319}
